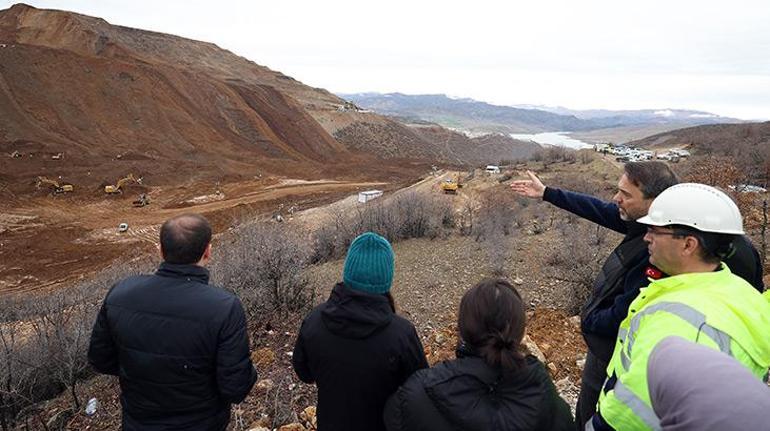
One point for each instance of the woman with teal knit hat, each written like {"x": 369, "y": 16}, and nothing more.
{"x": 354, "y": 346}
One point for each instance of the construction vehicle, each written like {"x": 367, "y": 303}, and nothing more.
{"x": 143, "y": 200}
{"x": 118, "y": 187}
{"x": 450, "y": 185}
{"x": 54, "y": 185}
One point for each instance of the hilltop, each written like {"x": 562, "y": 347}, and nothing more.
{"x": 85, "y": 102}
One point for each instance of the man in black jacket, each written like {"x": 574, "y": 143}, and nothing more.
{"x": 627, "y": 269}
{"x": 179, "y": 345}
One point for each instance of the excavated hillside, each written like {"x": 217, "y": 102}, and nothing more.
{"x": 107, "y": 96}
{"x": 112, "y": 98}
{"x": 86, "y": 103}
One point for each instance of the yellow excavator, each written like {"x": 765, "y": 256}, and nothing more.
{"x": 55, "y": 187}
{"x": 450, "y": 185}
{"x": 118, "y": 187}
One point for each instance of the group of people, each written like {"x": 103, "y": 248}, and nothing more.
{"x": 676, "y": 328}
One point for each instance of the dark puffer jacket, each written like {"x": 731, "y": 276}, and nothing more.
{"x": 467, "y": 394}
{"x": 357, "y": 351}
{"x": 179, "y": 346}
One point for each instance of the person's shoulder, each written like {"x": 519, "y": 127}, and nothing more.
{"x": 128, "y": 285}
{"x": 402, "y": 324}
{"x": 313, "y": 318}
{"x": 426, "y": 376}
{"x": 219, "y": 292}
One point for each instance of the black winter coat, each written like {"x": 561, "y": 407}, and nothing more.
{"x": 179, "y": 347}
{"x": 467, "y": 394}
{"x": 357, "y": 351}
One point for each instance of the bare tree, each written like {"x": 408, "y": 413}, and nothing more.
{"x": 579, "y": 259}
{"x": 263, "y": 265}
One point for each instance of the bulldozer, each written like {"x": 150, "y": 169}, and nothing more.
{"x": 143, "y": 200}
{"x": 118, "y": 187}
{"x": 450, "y": 185}
{"x": 55, "y": 187}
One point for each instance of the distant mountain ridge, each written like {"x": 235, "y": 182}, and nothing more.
{"x": 640, "y": 116}
{"x": 476, "y": 116}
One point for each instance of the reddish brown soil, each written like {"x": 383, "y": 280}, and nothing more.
{"x": 48, "y": 240}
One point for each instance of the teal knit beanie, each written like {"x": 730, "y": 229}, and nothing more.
{"x": 369, "y": 264}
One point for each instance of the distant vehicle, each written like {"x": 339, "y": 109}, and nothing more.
{"x": 123, "y": 227}
{"x": 57, "y": 156}
{"x": 368, "y": 195}
{"x": 747, "y": 188}
{"x": 623, "y": 159}
{"x": 449, "y": 186}
{"x": 493, "y": 169}
{"x": 142, "y": 200}
{"x": 681, "y": 152}
{"x": 55, "y": 187}
{"x": 118, "y": 188}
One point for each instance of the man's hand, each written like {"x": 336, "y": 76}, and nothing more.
{"x": 531, "y": 188}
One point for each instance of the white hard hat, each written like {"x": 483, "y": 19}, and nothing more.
{"x": 698, "y": 206}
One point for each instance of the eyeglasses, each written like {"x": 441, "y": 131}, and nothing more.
{"x": 673, "y": 232}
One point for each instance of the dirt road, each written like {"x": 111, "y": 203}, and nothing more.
{"x": 46, "y": 241}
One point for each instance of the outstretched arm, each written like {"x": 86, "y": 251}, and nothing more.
{"x": 588, "y": 207}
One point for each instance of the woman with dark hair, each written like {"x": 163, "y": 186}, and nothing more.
{"x": 492, "y": 385}
{"x": 354, "y": 346}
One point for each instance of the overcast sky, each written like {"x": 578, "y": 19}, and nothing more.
{"x": 705, "y": 55}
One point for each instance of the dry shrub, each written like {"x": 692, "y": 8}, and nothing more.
{"x": 44, "y": 342}
{"x": 724, "y": 173}
{"x": 579, "y": 259}
{"x": 407, "y": 215}
{"x": 554, "y": 154}
{"x": 263, "y": 266}
{"x": 495, "y": 224}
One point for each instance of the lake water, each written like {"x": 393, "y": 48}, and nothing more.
{"x": 561, "y": 139}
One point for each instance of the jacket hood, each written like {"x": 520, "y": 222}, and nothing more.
{"x": 354, "y": 314}
{"x": 475, "y": 396}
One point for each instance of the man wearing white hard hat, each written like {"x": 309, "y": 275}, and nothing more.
{"x": 690, "y": 230}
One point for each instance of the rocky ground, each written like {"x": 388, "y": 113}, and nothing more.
{"x": 431, "y": 277}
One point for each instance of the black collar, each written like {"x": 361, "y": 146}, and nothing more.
{"x": 176, "y": 270}
{"x": 636, "y": 229}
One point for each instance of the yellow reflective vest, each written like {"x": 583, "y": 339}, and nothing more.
{"x": 717, "y": 309}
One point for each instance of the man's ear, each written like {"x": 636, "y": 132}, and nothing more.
{"x": 160, "y": 251}
{"x": 691, "y": 245}
{"x": 206, "y": 253}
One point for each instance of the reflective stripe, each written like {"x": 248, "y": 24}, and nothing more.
{"x": 686, "y": 313}
{"x": 623, "y": 336}
{"x": 590, "y": 425}
{"x": 721, "y": 338}
{"x": 625, "y": 360}
{"x": 637, "y": 406}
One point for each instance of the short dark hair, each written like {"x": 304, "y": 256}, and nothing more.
{"x": 714, "y": 247}
{"x": 491, "y": 320}
{"x": 183, "y": 239}
{"x": 652, "y": 177}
